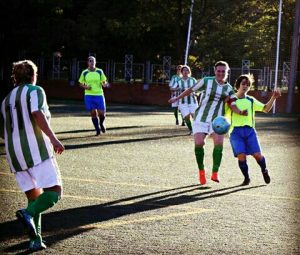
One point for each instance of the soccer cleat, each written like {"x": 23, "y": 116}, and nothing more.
{"x": 183, "y": 123}
{"x": 28, "y": 223}
{"x": 98, "y": 133}
{"x": 103, "y": 129}
{"x": 202, "y": 177}
{"x": 246, "y": 182}
{"x": 214, "y": 177}
{"x": 266, "y": 176}
{"x": 37, "y": 245}
{"x": 177, "y": 122}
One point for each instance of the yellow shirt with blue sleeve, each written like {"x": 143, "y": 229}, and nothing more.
{"x": 94, "y": 79}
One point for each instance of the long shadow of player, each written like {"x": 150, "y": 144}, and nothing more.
{"x": 70, "y": 222}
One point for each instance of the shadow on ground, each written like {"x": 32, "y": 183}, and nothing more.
{"x": 67, "y": 223}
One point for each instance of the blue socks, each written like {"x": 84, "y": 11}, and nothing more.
{"x": 244, "y": 168}
{"x": 96, "y": 124}
{"x": 262, "y": 164}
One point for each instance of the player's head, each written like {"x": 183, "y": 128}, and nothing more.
{"x": 178, "y": 69}
{"x": 91, "y": 62}
{"x": 244, "y": 82}
{"x": 23, "y": 72}
{"x": 221, "y": 70}
{"x": 186, "y": 71}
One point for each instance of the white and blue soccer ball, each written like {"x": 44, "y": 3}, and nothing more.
{"x": 220, "y": 125}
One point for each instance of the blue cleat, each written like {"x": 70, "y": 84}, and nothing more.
{"x": 28, "y": 223}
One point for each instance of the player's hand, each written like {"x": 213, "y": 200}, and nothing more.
{"x": 57, "y": 145}
{"x": 244, "y": 112}
{"x": 87, "y": 87}
{"x": 276, "y": 93}
{"x": 172, "y": 100}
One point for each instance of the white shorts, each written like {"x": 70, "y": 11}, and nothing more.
{"x": 187, "y": 109}
{"x": 43, "y": 175}
{"x": 202, "y": 127}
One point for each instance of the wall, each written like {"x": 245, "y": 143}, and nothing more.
{"x": 153, "y": 94}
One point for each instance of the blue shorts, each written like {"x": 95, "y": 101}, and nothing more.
{"x": 94, "y": 103}
{"x": 244, "y": 140}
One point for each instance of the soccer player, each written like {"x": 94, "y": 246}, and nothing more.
{"x": 188, "y": 104}
{"x": 242, "y": 132}
{"x": 92, "y": 80}
{"x": 175, "y": 92}
{"x": 215, "y": 91}
{"x": 30, "y": 144}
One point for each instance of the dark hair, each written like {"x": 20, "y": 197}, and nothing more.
{"x": 221, "y": 63}
{"x": 187, "y": 67}
{"x": 23, "y": 71}
{"x": 248, "y": 77}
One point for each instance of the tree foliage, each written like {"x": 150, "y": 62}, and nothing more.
{"x": 149, "y": 29}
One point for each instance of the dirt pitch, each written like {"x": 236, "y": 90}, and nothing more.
{"x": 135, "y": 190}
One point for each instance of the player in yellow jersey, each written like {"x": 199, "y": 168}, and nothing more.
{"x": 243, "y": 136}
{"x": 92, "y": 80}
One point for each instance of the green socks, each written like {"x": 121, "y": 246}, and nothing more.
{"x": 199, "y": 152}
{"x": 217, "y": 157}
{"x": 37, "y": 222}
{"x": 188, "y": 123}
{"x": 45, "y": 201}
{"x": 176, "y": 113}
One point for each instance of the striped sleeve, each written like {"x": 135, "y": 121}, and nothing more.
{"x": 198, "y": 85}
{"x": 174, "y": 82}
{"x": 37, "y": 99}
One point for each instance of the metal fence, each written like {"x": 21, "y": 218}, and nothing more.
{"x": 148, "y": 72}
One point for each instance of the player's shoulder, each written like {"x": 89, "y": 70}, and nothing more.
{"x": 99, "y": 70}
{"x": 208, "y": 78}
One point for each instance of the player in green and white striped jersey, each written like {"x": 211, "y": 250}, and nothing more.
{"x": 215, "y": 91}
{"x": 187, "y": 104}
{"x": 30, "y": 144}
{"x": 175, "y": 91}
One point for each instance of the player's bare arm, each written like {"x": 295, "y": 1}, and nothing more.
{"x": 42, "y": 122}
{"x": 182, "y": 95}
{"x": 275, "y": 95}
{"x": 234, "y": 108}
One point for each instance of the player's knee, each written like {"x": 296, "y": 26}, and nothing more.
{"x": 257, "y": 156}
{"x": 241, "y": 157}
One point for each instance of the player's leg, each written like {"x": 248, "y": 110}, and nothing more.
{"x": 199, "y": 139}
{"x": 261, "y": 161}
{"x": 46, "y": 176}
{"x": 175, "y": 111}
{"x": 217, "y": 155}
{"x": 255, "y": 150}
{"x": 242, "y": 161}
{"x": 94, "y": 116}
{"x": 90, "y": 106}
{"x": 239, "y": 148}
{"x": 101, "y": 109}
{"x": 184, "y": 109}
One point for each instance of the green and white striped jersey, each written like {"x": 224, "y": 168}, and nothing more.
{"x": 25, "y": 143}
{"x": 211, "y": 103}
{"x": 173, "y": 82}
{"x": 184, "y": 85}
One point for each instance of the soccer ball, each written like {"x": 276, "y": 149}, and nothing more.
{"x": 220, "y": 125}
